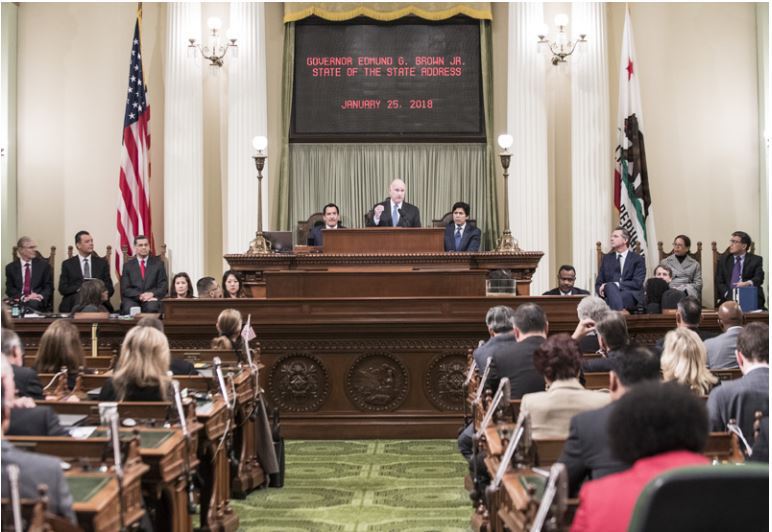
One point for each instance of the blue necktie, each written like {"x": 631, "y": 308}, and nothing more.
{"x": 736, "y": 272}
{"x": 458, "y": 237}
{"x": 394, "y": 216}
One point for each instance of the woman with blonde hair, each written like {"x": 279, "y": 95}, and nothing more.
{"x": 229, "y": 330}
{"x": 684, "y": 360}
{"x": 142, "y": 370}
{"x": 59, "y": 347}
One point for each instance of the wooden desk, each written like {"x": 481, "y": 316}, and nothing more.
{"x": 385, "y": 240}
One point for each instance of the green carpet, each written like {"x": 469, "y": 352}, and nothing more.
{"x": 365, "y": 485}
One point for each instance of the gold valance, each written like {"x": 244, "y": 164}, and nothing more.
{"x": 385, "y": 11}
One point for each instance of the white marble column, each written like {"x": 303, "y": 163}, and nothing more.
{"x": 527, "y": 123}
{"x": 183, "y": 142}
{"x": 247, "y": 117}
{"x": 591, "y": 151}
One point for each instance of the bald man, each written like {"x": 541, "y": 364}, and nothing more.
{"x": 721, "y": 349}
{"x": 394, "y": 211}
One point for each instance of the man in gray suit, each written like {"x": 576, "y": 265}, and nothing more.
{"x": 740, "y": 399}
{"x": 721, "y": 348}
{"x": 34, "y": 469}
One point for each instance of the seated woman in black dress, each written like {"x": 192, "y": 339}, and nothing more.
{"x": 141, "y": 373}
{"x": 91, "y": 297}
{"x": 229, "y": 330}
{"x": 60, "y": 347}
{"x": 233, "y": 285}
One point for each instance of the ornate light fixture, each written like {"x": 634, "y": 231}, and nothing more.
{"x": 507, "y": 243}
{"x": 214, "y": 52}
{"x": 562, "y": 46}
{"x": 259, "y": 245}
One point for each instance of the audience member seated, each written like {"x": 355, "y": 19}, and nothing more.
{"x": 91, "y": 297}
{"x": 34, "y": 469}
{"x": 394, "y": 211}
{"x": 590, "y": 310}
{"x": 144, "y": 282}
{"x": 181, "y": 287}
{"x": 233, "y": 285}
{"x": 28, "y": 278}
{"x": 621, "y": 275}
{"x": 558, "y": 359}
{"x": 331, "y": 215}
{"x": 460, "y": 234}
{"x": 516, "y": 335}
{"x": 141, "y": 372}
{"x": 685, "y": 272}
{"x": 229, "y": 333}
{"x": 654, "y": 427}
{"x": 177, "y": 366}
{"x": 84, "y": 265}
{"x": 60, "y": 347}
{"x": 688, "y": 316}
{"x": 25, "y": 380}
{"x": 683, "y": 360}
{"x": 586, "y": 453}
{"x": 722, "y": 347}
{"x": 612, "y": 337}
{"x": 208, "y": 288}
{"x": 28, "y": 419}
{"x": 566, "y": 280}
{"x": 740, "y": 399}
{"x": 739, "y": 267}
{"x": 658, "y": 294}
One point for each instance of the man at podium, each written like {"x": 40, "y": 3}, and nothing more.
{"x": 394, "y": 211}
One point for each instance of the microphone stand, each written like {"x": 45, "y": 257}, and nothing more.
{"x": 224, "y": 392}
{"x": 186, "y": 435}
{"x": 115, "y": 437}
{"x": 13, "y": 479}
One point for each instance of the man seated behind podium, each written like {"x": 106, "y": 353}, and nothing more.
{"x": 566, "y": 280}
{"x": 84, "y": 265}
{"x": 28, "y": 278}
{"x": 738, "y": 268}
{"x": 399, "y": 213}
{"x": 144, "y": 282}
{"x": 460, "y": 235}
{"x": 207, "y": 288}
{"x": 331, "y": 215}
{"x": 621, "y": 275}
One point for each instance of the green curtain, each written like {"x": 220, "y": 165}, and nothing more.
{"x": 294, "y": 11}
{"x": 356, "y": 176}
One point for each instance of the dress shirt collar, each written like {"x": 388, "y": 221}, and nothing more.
{"x": 399, "y": 206}
{"x": 569, "y": 384}
{"x": 329, "y": 227}
{"x": 562, "y": 293}
{"x": 463, "y": 228}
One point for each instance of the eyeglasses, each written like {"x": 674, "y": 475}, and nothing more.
{"x": 735, "y": 241}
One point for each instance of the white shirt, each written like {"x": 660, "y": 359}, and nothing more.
{"x": 455, "y": 229}
{"x": 23, "y": 262}
{"x": 622, "y": 261}
{"x": 331, "y": 226}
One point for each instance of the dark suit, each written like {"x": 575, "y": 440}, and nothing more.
{"x": 27, "y": 382}
{"x": 133, "y": 393}
{"x": 753, "y": 270}
{"x": 586, "y": 453}
{"x": 37, "y": 421}
{"x": 740, "y": 399}
{"x": 704, "y": 335}
{"x": 629, "y": 294}
{"x": 574, "y": 292}
{"x": 409, "y": 216}
{"x": 72, "y": 277}
{"x": 470, "y": 238}
{"x": 41, "y": 282}
{"x": 315, "y": 237}
{"x": 132, "y": 284}
{"x": 37, "y": 469}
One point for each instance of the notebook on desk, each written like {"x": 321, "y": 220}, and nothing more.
{"x": 748, "y": 298}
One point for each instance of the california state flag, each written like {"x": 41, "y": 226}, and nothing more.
{"x": 632, "y": 196}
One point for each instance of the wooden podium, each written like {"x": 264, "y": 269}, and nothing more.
{"x": 384, "y": 240}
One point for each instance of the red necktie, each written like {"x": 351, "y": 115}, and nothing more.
{"x": 27, "y": 275}
{"x": 142, "y": 269}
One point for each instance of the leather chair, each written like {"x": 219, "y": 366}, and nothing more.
{"x": 304, "y": 228}
{"x": 108, "y": 256}
{"x": 447, "y": 218}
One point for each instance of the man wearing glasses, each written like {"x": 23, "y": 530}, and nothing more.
{"x": 29, "y": 278}
{"x": 737, "y": 268}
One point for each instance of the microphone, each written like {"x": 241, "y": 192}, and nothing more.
{"x": 221, "y": 381}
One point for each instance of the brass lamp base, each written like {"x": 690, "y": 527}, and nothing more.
{"x": 507, "y": 243}
{"x": 259, "y": 246}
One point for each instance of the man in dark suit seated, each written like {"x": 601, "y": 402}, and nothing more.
{"x": 566, "y": 280}
{"x": 739, "y": 267}
{"x": 586, "y": 453}
{"x": 740, "y": 399}
{"x": 461, "y": 235}
{"x": 85, "y": 265}
{"x": 621, "y": 275}
{"x": 515, "y": 336}
{"x": 612, "y": 338}
{"x": 25, "y": 380}
{"x": 688, "y": 316}
{"x": 34, "y": 469}
{"x": 144, "y": 282}
{"x": 398, "y": 212}
{"x": 29, "y": 278}
{"x": 331, "y": 215}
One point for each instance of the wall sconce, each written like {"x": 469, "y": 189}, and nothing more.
{"x": 562, "y": 46}
{"x": 215, "y": 52}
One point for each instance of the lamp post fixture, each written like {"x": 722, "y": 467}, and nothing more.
{"x": 259, "y": 245}
{"x": 507, "y": 243}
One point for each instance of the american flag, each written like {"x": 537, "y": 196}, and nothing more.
{"x": 134, "y": 183}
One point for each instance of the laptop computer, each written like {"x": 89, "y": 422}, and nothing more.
{"x": 281, "y": 241}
